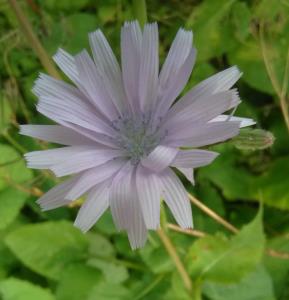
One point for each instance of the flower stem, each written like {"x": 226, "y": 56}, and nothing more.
{"x": 140, "y": 11}
{"x": 33, "y": 40}
{"x": 212, "y": 214}
{"x": 175, "y": 257}
{"x": 197, "y": 290}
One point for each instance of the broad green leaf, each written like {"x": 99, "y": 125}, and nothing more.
{"x": 241, "y": 17}
{"x": 256, "y": 285}
{"x": 12, "y": 167}
{"x": 109, "y": 291}
{"x": 76, "y": 282}
{"x": 47, "y": 248}
{"x": 112, "y": 269}
{"x": 220, "y": 259}
{"x": 99, "y": 245}
{"x": 156, "y": 258}
{"x": 278, "y": 267}
{"x": 210, "y": 36}
{"x": 11, "y": 201}
{"x": 16, "y": 289}
{"x": 233, "y": 179}
{"x": 273, "y": 185}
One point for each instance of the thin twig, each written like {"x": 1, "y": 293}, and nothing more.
{"x": 33, "y": 40}
{"x": 212, "y": 214}
{"x": 192, "y": 232}
{"x": 230, "y": 227}
{"x": 175, "y": 257}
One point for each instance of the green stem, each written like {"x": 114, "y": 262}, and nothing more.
{"x": 140, "y": 11}
{"x": 197, "y": 290}
{"x": 150, "y": 287}
{"x": 33, "y": 40}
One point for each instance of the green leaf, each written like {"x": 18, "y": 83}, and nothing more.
{"x": 47, "y": 248}
{"x": 272, "y": 187}
{"x": 16, "y": 289}
{"x": 11, "y": 201}
{"x": 12, "y": 167}
{"x": 76, "y": 282}
{"x": 211, "y": 32}
{"x": 256, "y": 285}
{"x": 220, "y": 259}
{"x": 233, "y": 179}
{"x": 109, "y": 291}
{"x": 278, "y": 267}
{"x": 112, "y": 270}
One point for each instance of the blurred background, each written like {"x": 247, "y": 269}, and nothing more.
{"x": 43, "y": 257}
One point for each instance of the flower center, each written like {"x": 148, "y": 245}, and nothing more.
{"x": 137, "y": 136}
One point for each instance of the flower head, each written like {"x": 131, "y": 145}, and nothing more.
{"x": 122, "y": 131}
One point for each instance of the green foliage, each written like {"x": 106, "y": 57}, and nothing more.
{"x": 47, "y": 248}
{"x": 16, "y": 289}
{"x": 255, "y": 285}
{"x": 11, "y": 201}
{"x": 216, "y": 258}
{"x": 42, "y": 256}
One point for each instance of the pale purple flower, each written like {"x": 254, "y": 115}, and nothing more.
{"x": 122, "y": 133}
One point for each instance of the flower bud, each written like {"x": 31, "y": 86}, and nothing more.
{"x": 253, "y": 139}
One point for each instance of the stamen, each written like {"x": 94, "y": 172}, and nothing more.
{"x": 137, "y": 136}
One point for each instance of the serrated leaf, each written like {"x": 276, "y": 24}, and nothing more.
{"x": 47, "y": 248}
{"x": 256, "y": 285}
{"x": 16, "y": 289}
{"x": 217, "y": 258}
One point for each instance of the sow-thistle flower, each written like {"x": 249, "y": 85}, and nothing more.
{"x": 123, "y": 132}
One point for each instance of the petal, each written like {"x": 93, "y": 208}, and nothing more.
{"x": 125, "y": 207}
{"x": 149, "y": 67}
{"x": 92, "y": 85}
{"x": 83, "y": 161}
{"x": 207, "y": 134}
{"x": 75, "y": 111}
{"x": 178, "y": 84}
{"x": 193, "y": 158}
{"x": 109, "y": 68}
{"x": 178, "y": 53}
{"x": 131, "y": 40}
{"x": 244, "y": 122}
{"x": 188, "y": 173}
{"x": 93, "y": 177}
{"x": 55, "y": 197}
{"x": 45, "y": 158}
{"x": 219, "y": 82}
{"x": 94, "y": 206}
{"x": 199, "y": 111}
{"x": 160, "y": 158}
{"x": 176, "y": 198}
{"x": 66, "y": 63}
{"x": 55, "y": 134}
{"x": 149, "y": 193}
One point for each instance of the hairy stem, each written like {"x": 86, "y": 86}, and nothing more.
{"x": 33, "y": 40}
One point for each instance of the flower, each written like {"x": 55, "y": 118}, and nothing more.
{"x": 123, "y": 132}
